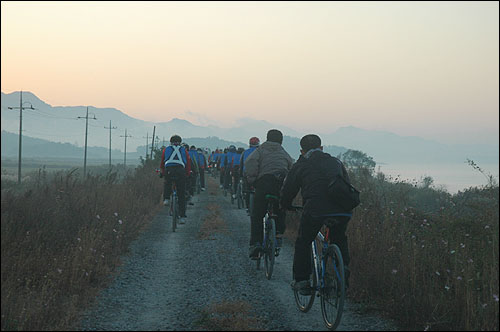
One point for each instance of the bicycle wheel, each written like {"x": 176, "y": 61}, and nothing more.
{"x": 239, "y": 197}
{"x": 305, "y": 302}
{"x": 270, "y": 246}
{"x": 175, "y": 213}
{"x": 333, "y": 293}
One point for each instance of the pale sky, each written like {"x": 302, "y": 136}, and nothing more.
{"x": 427, "y": 69}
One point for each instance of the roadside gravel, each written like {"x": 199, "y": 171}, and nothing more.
{"x": 200, "y": 278}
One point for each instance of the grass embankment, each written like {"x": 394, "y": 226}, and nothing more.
{"x": 428, "y": 258}
{"x": 62, "y": 238}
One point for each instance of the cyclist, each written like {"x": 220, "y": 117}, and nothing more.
{"x": 311, "y": 175}
{"x": 202, "y": 164}
{"x": 175, "y": 167}
{"x": 221, "y": 165}
{"x": 231, "y": 152}
{"x": 195, "y": 171}
{"x": 265, "y": 169}
{"x": 253, "y": 143}
{"x": 235, "y": 166}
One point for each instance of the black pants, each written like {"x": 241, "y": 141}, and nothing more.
{"x": 267, "y": 184}
{"x": 176, "y": 174}
{"x": 202, "y": 177}
{"x": 309, "y": 227}
{"x": 236, "y": 177}
{"x": 246, "y": 187}
{"x": 222, "y": 174}
{"x": 227, "y": 178}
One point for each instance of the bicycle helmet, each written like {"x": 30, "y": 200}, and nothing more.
{"x": 232, "y": 148}
{"x": 254, "y": 141}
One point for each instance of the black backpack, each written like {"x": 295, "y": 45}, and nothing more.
{"x": 342, "y": 193}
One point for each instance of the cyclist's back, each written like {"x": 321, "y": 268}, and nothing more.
{"x": 265, "y": 169}
{"x": 311, "y": 175}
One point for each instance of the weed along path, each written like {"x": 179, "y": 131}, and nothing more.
{"x": 200, "y": 278}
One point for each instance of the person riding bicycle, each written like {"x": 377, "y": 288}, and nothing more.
{"x": 235, "y": 167}
{"x": 221, "y": 165}
{"x": 231, "y": 153}
{"x": 175, "y": 167}
{"x": 202, "y": 165}
{"x": 193, "y": 154}
{"x": 254, "y": 143}
{"x": 311, "y": 175}
{"x": 265, "y": 169}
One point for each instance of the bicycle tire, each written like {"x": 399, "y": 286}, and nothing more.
{"x": 238, "y": 195}
{"x": 270, "y": 247}
{"x": 175, "y": 213}
{"x": 333, "y": 294}
{"x": 305, "y": 302}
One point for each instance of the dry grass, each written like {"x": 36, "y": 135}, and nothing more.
{"x": 229, "y": 316}
{"x": 213, "y": 223}
{"x": 62, "y": 239}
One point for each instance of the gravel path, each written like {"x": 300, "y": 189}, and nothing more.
{"x": 200, "y": 278}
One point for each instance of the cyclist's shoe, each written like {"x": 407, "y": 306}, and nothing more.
{"x": 254, "y": 251}
{"x": 202, "y": 189}
{"x": 234, "y": 196}
{"x": 182, "y": 220}
{"x": 303, "y": 287}
{"x": 248, "y": 212}
{"x": 191, "y": 203}
{"x": 166, "y": 202}
{"x": 220, "y": 186}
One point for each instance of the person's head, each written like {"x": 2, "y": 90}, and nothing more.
{"x": 225, "y": 150}
{"x": 310, "y": 142}
{"x": 175, "y": 140}
{"x": 274, "y": 135}
{"x": 240, "y": 150}
{"x": 254, "y": 142}
{"x": 192, "y": 147}
{"x": 199, "y": 150}
{"x": 232, "y": 148}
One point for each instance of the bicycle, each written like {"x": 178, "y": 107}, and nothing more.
{"x": 239, "y": 194}
{"x": 328, "y": 278}
{"x": 269, "y": 243}
{"x": 174, "y": 207}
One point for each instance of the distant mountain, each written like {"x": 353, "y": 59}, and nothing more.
{"x": 39, "y": 148}
{"x": 391, "y": 148}
{"x": 62, "y": 124}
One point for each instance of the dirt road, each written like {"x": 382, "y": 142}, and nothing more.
{"x": 200, "y": 278}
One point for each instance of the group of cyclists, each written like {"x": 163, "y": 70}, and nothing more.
{"x": 268, "y": 169}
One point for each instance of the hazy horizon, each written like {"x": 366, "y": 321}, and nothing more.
{"x": 427, "y": 69}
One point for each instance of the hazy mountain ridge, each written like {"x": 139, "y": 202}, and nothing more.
{"x": 384, "y": 147}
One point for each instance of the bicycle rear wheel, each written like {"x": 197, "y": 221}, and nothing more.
{"x": 175, "y": 212}
{"x": 305, "y": 302}
{"x": 270, "y": 246}
{"x": 333, "y": 293}
{"x": 239, "y": 196}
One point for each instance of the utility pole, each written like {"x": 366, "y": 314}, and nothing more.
{"x": 147, "y": 142}
{"x": 110, "y": 141}
{"x": 163, "y": 141}
{"x": 125, "y": 155}
{"x": 153, "y": 141}
{"x": 86, "y": 132}
{"x": 20, "y": 133}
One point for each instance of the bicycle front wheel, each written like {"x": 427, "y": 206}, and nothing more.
{"x": 270, "y": 247}
{"x": 333, "y": 293}
{"x": 305, "y": 302}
